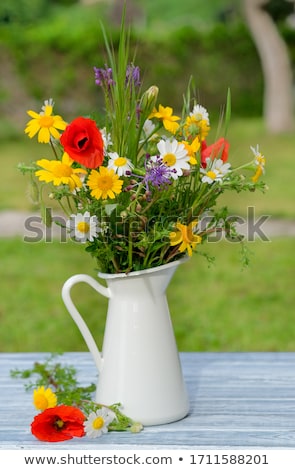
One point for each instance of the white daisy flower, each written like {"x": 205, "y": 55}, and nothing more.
{"x": 148, "y": 128}
{"x": 83, "y": 227}
{"x": 200, "y": 113}
{"x": 174, "y": 155}
{"x": 215, "y": 170}
{"x": 119, "y": 164}
{"x": 98, "y": 421}
{"x": 107, "y": 139}
{"x": 259, "y": 158}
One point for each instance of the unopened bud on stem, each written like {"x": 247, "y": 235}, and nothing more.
{"x": 148, "y": 100}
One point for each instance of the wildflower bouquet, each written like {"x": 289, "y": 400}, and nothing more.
{"x": 139, "y": 189}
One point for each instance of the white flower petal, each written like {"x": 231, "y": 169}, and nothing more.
{"x": 87, "y": 221}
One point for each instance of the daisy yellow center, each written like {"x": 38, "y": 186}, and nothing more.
{"x": 105, "y": 182}
{"x": 120, "y": 161}
{"x": 98, "y": 423}
{"x": 83, "y": 227}
{"x": 60, "y": 170}
{"x": 169, "y": 159}
{"x": 41, "y": 402}
{"x": 211, "y": 175}
{"x": 261, "y": 159}
{"x": 46, "y": 121}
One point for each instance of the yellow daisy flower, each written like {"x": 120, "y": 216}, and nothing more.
{"x": 104, "y": 183}
{"x": 60, "y": 172}
{"x": 192, "y": 149}
{"x": 259, "y": 172}
{"x": 166, "y": 115}
{"x": 44, "y": 399}
{"x": 185, "y": 237}
{"x": 45, "y": 124}
{"x": 196, "y": 127}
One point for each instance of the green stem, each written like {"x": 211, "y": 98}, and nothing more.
{"x": 147, "y": 138}
{"x": 53, "y": 149}
{"x": 203, "y": 196}
{"x": 130, "y": 251}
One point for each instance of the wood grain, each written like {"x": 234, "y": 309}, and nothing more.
{"x": 237, "y": 400}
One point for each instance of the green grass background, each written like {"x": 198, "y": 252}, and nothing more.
{"x": 217, "y": 308}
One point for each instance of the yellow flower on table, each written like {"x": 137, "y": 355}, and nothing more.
{"x": 60, "y": 172}
{"x": 44, "y": 398}
{"x": 45, "y": 124}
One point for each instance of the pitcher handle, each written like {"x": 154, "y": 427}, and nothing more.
{"x": 84, "y": 330}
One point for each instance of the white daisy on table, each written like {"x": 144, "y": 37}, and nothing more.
{"x": 98, "y": 421}
{"x": 174, "y": 156}
{"x": 120, "y": 165}
{"x": 83, "y": 227}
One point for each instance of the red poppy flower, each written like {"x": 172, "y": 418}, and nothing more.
{"x": 60, "y": 423}
{"x": 83, "y": 142}
{"x": 219, "y": 149}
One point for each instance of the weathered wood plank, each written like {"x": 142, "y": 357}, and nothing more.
{"x": 238, "y": 400}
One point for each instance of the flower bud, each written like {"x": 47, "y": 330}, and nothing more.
{"x": 148, "y": 100}
{"x": 124, "y": 214}
{"x": 136, "y": 427}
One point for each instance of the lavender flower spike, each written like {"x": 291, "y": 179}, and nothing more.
{"x": 104, "y": 77}
{"x": 133, "y": 75}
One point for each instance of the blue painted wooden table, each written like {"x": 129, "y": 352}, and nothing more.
{"x": 237, "y": 400}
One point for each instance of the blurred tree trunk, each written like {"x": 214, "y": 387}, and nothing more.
{"x": 276, "y": 66}
{"x": 134, "y": 12}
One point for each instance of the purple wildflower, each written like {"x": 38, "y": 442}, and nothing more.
{"x": 157, "y": 173}
{"x": 104, "y": 77}
{"x": 133, "y": 75}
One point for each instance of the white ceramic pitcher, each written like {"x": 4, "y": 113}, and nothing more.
{"x": 139, "y": 365}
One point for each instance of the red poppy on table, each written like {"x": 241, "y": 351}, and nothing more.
{"x": 60, "y": 423}
{"x": 219, "y": 149}
{"x": 82, "y": 140}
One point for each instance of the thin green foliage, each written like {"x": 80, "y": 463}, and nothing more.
{"x": 62, "y": 380}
